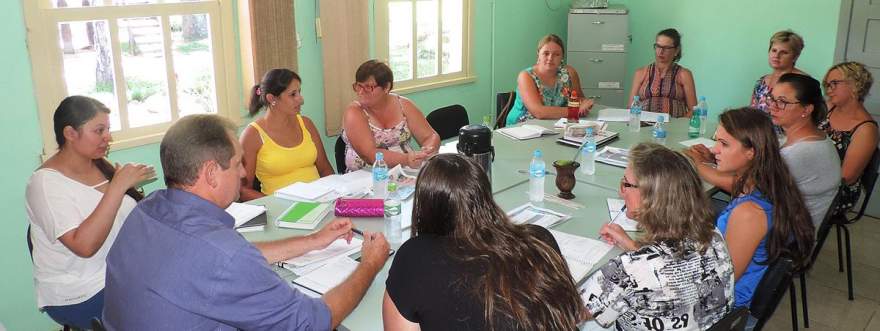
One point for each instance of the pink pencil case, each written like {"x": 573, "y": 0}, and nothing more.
{"x": 359, "y": 208}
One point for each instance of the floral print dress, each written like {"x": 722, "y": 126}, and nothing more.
{"x": 849, "y": 194}
{"x": 556, "y": 95}
{"x": 396, "y": 138}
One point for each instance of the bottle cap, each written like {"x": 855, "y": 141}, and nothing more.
{"x": 589, "y": 130}
{"x": 392, "y": 186}
{"x": 702, "y": 98}
{"x": 379, "y": 156}
{"x": 635, "y": 98}
{"x": 537, "y": 153}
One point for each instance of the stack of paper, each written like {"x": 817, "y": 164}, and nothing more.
{"x": 699, "y": 141}
{"x": 328, "y": 188}
{"x": 580, "y": 253}
{"x": 247, "y": 217}
{"x": 622, "y": 115}
{"x": 319, "y": 263}
{"x": 618, "y": 216}
{"x": 449, "y": 148}
{"x": 525, "y": 131}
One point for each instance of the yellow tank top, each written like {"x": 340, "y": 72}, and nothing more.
{"x": 279, "y": 166}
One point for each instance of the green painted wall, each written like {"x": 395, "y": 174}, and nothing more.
{"x": 725, "y": 42}
{"x": 725, "y": 61}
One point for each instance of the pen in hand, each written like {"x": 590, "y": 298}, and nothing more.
{"x": 622, "y": 210}
{"x": 355, "y": 230}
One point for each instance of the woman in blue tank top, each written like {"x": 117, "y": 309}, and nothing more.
{"x": 767, "y": 217}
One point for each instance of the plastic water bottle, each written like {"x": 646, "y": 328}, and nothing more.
{"x": 694, "y": 125}
{"x": 392, "y": 215}
{"x": 588, "y": 153}
{"x": 704, "y": 114}
{"x": 380, "y": 176}
{"x": 635, "y": 115}
{"x": 537, "y": 172}
{"x": 659, "y": 132}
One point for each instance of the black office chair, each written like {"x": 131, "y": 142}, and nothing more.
{"x": 821, "y": 235}
{"x": 733, "y": 321}
{"x": 868, "y": 179}
{"x": 447, "y": 120}
{"x": 339, "y": 152}
{"x": 770, "y": 290}
{"x": 503, "y": 102}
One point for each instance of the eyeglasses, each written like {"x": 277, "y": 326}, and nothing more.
{"x": 361, "y": 87}
{"x": 832, "y": 84}
{"x": 779, "y": 103}
{"x": 625, "y": 184}
{"x": 663, "y": 48}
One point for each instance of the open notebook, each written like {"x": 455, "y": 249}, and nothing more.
{"x": 525, "y": 131}
{"x": 580, "y": 253}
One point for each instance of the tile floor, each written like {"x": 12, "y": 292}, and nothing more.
{"x": 827, "y": 290}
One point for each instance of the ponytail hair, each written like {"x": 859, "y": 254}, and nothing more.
{"x": 274, "y": 82}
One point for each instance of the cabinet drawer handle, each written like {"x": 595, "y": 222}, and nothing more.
{"x": 598, "y": 22}
{"x": 594, "y": 97}
{"x": 595, "y": 60}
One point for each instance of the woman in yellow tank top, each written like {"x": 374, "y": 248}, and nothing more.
{"x": 283, "y": 147}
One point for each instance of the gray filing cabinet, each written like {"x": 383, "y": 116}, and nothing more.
{"x": 598, "y": 40}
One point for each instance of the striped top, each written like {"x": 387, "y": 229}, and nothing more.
{"x": 660, "y": 93}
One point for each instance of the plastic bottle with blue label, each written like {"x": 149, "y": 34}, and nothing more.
{"x": 659, "y": 132}
{"x": 704, "y": 114}
{"x": 635, "y": 115}
{"x": 380, "y": 176}
{"x": 588, "y": 153}
{"x": 537, "y": 173}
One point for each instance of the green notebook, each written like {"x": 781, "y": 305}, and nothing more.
{"x": 303, "y": 215}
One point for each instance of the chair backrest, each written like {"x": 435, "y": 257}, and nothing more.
{"x": 735, "y": 320}
{"x": 97, "y": 325}
{"x": 869, "y": 178}
{"x": 770, "y": 290}
{"x": 339, "y": 152}
{"x": 503, "y": 102}
{"x": 447, "y": 120}
{"x": 825, "y": 227}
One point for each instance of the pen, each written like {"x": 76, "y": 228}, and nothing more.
{"x": 622, "y": 210}
{"x": 355, "y": 230}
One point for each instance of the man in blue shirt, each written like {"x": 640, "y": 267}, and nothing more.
{"x": 177, "y": 263}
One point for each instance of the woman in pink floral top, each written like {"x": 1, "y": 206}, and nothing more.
{"x": 381, "y": 121}
{"x": 785, "y": 48}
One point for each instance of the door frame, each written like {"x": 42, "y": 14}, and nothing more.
{"x": 843, "y": 24}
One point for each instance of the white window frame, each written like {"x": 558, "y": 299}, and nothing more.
{"x": 47, "y": 63}
{"x": 466, "y": 75}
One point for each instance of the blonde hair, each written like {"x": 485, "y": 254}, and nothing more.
{"x": 858, "y": 74}
{"x": 789, "y": 37}
{"x": 551, "y": 38}
{"x": 674, "y": 207}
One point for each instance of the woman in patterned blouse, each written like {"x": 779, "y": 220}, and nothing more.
{"x": 849, "y": 125}
{"x": 543, "y": 89}
{"x": 785, "y": 48}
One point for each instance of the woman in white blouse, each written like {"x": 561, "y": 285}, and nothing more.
{"x": 76, "y": 202}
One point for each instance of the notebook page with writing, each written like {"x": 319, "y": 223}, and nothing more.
{"x": 580, "y": 253}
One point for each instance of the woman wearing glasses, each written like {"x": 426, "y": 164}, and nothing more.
{"x": 664, "y": 86}
{"x": 468, "y": 267}
{"x": 678, "y": 273}
{"x": 795, "y": 105}
{"x": 283, "y": 147}
{"x": 767, "y": 216}
{"x": 849, "y": 125}
{"x": 543, "y": 90}
{"x": 381, "y": 121}
{"x": 785, "y": 48}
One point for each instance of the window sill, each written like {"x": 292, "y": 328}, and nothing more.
{"x": 424, "y": 86}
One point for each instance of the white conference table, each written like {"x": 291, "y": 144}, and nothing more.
{"x": 509, "y": 188}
